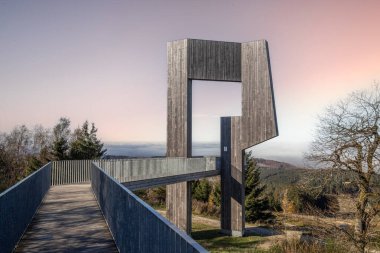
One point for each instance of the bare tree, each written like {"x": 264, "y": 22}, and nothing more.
{"x": 14, "y": 149}
{"x": 348, "y": 139}
{"x": 22, "y": 151}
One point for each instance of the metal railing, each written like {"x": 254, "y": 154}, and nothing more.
{"x": 135, "y": 226}
{"x": 127, "y": 170}
{"x": 71, "y": 172}
{"x": 18, "y": 205}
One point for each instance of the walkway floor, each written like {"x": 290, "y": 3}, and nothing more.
{"x": 69, "y": 220}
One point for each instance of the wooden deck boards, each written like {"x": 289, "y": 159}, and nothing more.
{"x": 69, "y": 220}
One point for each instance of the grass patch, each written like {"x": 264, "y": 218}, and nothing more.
{"x": 214, "y": 241}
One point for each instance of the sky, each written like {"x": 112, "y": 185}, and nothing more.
{"x": 105, "y": 61}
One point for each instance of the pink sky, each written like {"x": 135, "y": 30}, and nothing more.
{"x": 105, "y": 61}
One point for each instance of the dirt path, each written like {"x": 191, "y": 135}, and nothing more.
{"x": 199, "y": 219}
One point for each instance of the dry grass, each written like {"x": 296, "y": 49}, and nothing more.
{"x": 293, "y": 233}
{"x": 295, "y": 246}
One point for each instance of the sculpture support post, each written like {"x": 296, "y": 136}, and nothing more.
{"x": 232, "y": 177}
{"x": 178, "y": 204}
{"x": 178, "y": 196}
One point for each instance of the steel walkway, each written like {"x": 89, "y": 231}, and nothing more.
{"x": 68, "y": 220}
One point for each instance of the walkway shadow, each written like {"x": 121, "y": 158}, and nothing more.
{"x": 207, "y": 234}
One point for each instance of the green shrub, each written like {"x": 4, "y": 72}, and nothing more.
{"x": 256, "y": 203}
{"x": 302, "y": 201}
{"x": 274, "y": 199}
{"x": 215, "y": 195}
{"x": 206, "y": 197}
{"x": 154, "y": 196}
{"x": 201, "y": 190}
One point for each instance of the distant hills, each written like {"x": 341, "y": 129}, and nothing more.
{"x": 280, "y": 174}
{"x": 264, "y": 163}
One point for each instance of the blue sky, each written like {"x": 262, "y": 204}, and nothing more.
{"x": 105, "y": 61}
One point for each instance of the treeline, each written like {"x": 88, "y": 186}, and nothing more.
{"x": 23, "y": 150}
{"x": 312, "y": 194}
{"x": 304, "y": 191}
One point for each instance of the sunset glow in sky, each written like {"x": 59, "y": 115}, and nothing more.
{"x": 105, "y": 61}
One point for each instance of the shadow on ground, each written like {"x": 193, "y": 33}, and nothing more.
{"x": 262, "y": 231}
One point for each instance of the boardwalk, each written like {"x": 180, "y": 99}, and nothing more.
{"x": 69, "y": 220}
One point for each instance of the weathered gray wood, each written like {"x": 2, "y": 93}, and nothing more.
{"x": 214, "y": 60}
{"x": 178, "y": 205}
{"x": 220, "y": 61}
{"x": 237, "y": 178}
{"x": 232, "y": 177}
{"x": 69, "y": 220}
{"x": 258, "y": 109}
{"x": 179, "y": 101}
{"x": 191, "y": 59}
{"x": 178, "y": 196}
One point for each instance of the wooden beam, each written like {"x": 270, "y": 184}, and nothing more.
{"x": 214, "y": 60}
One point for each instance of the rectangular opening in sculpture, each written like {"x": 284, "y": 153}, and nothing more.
{"x": 210, "y": 101}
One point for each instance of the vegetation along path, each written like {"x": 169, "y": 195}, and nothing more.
{"x": 68, "y": 220}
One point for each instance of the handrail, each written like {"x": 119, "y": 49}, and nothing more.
{"x": 135, "y": 226}
{"x": 71, "y": 172}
